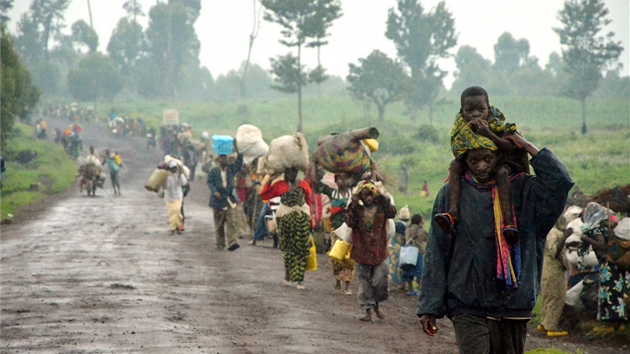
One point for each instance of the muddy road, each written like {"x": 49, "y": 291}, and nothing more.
{"x": 102, "y": 274}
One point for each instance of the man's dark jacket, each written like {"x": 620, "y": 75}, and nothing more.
{"x": 215, "y": 183}
{"x": 471, "y": 286}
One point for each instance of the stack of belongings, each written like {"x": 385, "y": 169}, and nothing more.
{"x": 159, "y": 175}
{"x": 250, "y": 143}
{"x": 285, "y": 152}
{"x": 347, "y": 152}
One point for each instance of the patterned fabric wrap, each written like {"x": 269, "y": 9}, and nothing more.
{"x": 508, "y": 257}
{"x": 294, "y": 230}
{"x": 463, "y": 139}
{"x": 612, "y": 286}
{"x": 343, "y": 153}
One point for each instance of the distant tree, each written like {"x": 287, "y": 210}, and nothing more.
{"x": 586, "y": 53}
{"x": 5, "y": 6}
{"x": 133, "y": 9}
{"x": 82, "y": 33}
{"x": 126, "y": 48}
{"x": 510, "y": 54}
{"x": 422, "y": 38}
{"x": 289, "y": 77}
{"x": 300, "y": 20}
{"x": 472, "y": 69}
{"x": 330, "y": 10}
{"x": 19, "y": 95}
{"x": 95, "y": 77}
{"x": 49, "y": 15}
{"x": 171, "y": 42}
{"x": 378, "y": 79}
{"x": 614, "y": 85}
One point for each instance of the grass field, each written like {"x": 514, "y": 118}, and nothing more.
{"x": 51, "y": 172}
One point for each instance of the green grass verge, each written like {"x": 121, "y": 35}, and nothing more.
{"x": 51, "y": 172}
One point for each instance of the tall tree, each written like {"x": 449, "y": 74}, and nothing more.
{"x": 422, "y": 38}
{"x": 171, "y": 41}
{"x": 378, "y": 79}
{"x": 96, "y": 76}
{"x": 510, "y": 54}
{"x": 82, "y": 33}
{"x": 330, "y": 11}
{"x": 300, "y": 20}
{"x": 586, "y": 52}
{"x": 472, "y": 69}
{"x": 5, "y": 6}
{"x": 289, "y": 77}
{"x": 19, "y": 95}
{"x": 49, "y": 14}
{"x": 126, "y": 48}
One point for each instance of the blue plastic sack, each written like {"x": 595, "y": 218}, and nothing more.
{"x": 222, "y": 144}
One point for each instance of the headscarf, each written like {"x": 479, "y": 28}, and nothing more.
{"x": 594, "y": 214}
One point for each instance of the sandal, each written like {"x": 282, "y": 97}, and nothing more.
{"x": 510, "y": 233}
{"x": 446, "y": 222}
{"x": 367, "y": 317}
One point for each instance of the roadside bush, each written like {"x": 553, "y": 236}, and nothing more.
{"x": 427, "y": 133}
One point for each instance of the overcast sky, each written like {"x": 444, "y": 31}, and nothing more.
{"x": 223, "y": 28}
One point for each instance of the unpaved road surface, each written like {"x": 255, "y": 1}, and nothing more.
{"x": 101, "y": 274}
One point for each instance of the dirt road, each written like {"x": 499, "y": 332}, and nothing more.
{"x": 103, "y": 275}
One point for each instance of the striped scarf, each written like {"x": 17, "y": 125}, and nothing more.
{"x": 508, "y": 257}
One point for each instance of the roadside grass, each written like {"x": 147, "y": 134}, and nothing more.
{"x": 52, "y": 171}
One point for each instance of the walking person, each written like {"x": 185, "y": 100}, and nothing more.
{"x": 367, "y": 216}
{"x": 114, "y": 168}
{"x": 294, "y": 223}
{"x": 174, "y": 196}
{"x": 489, "y": 295}
{"x": 415, "y": 236}
{"x": 223, "y": 201}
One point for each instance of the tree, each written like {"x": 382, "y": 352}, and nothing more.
{"x": 472, "y": 69}
{"x": 49, "y": 14}
{"x": 421, "y": 40}
{"x": 378, "y": 79}
{"x": 300, "y": 20}
{"x": 331, "y": 10}
{"x": 289, "y": 77}
{"x": 19, "y": 95}
{"x": 82, "y": 33}
{"x": 252, "y": 37}
{"x": 509, "y": 54}
{"x": 126, "y": 48}
{"x": 586, "y": 53}
{"x": 95, "y": 77}
{"x": 171, "y": 42}
{"x": 5, "y": 6}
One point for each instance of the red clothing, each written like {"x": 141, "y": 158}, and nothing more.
{"x": 369, "y": 239}
{"x": 279, "y": 188}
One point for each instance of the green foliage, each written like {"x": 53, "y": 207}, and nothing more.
{"x": 95, "y": 77}
{"x": 289, "y": 75}
{"x": 171, "y": 42}
{"x": 19, "y": 95}
{"x": 125, "y": 46}
{"x": 421, "y": 40}
{"x": 378, "y": 79}
{"x": 585, "y": 52}
{"x": 84, "y": 34}
{"x": 427, "y": 133}
{"x": 53, "y": 171}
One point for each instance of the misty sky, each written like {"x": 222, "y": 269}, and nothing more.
{"x": 224, "y": 26}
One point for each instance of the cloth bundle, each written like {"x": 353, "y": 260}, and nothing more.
{"x": 285, "y": 152}
{"x": 343, "y": 153}
{"x": 250, "y": 143}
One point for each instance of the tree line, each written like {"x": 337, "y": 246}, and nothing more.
{"x": 162, "y": 60}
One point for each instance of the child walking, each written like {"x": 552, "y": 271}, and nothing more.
{"x": 416, "y": 236}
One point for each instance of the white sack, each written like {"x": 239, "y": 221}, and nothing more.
{"x": 285, "y": 152}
